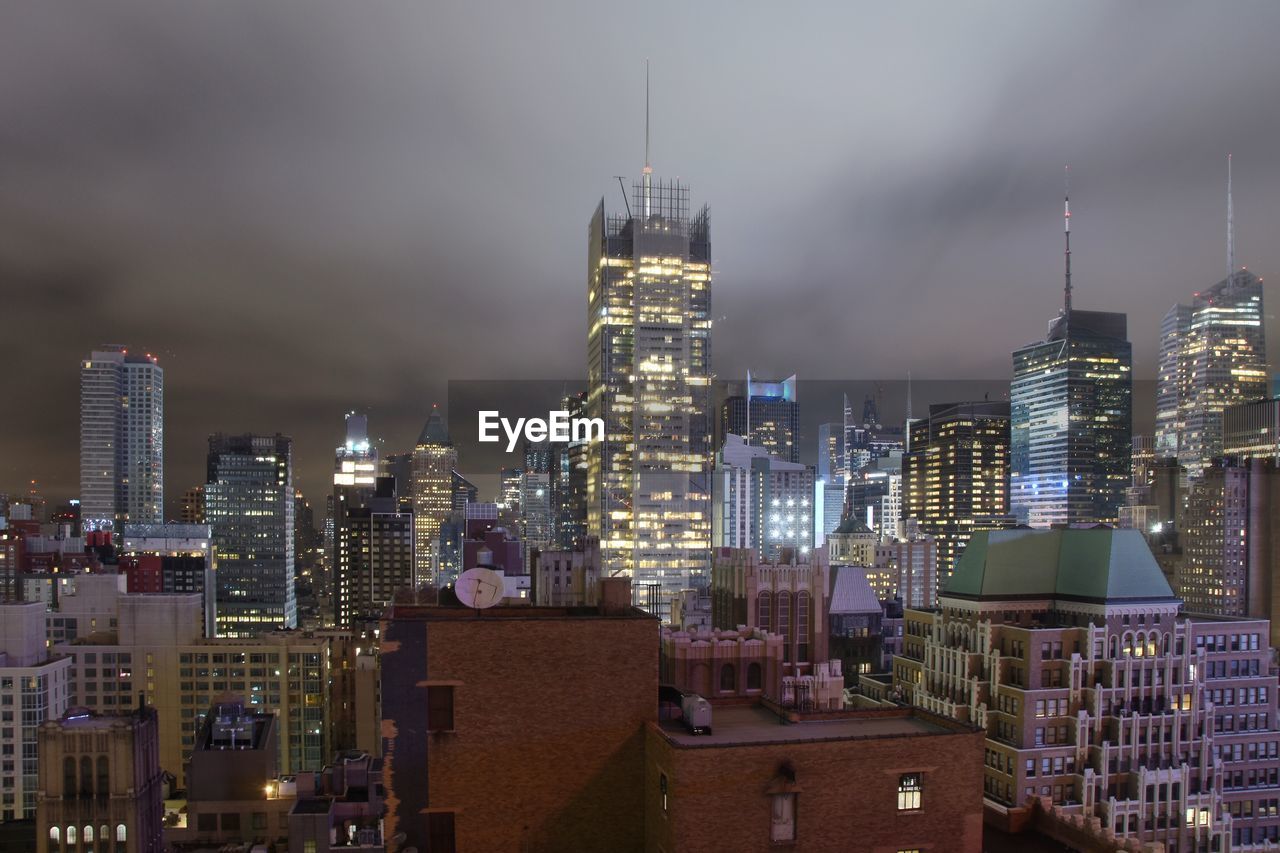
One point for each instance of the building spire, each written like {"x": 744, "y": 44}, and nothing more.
{"x": 647, "y": 172}
{"x": 1231, "y": 229}
{"x": 1066, "y": 230}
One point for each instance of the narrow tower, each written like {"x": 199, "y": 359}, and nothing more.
{"x": 1066, "y": 229}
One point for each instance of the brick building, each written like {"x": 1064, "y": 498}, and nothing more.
{"x": 870, "y": 782}
{"x": 518, "y": 728}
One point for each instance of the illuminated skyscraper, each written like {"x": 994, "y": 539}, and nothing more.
{"x": 434, "y": 459}
{"x": 374, "y": 554}
{"x": 1212, "y": 355}
{"x": 649, "y": 379}
{"x": 249, "y": 507}
{"x": 956, "y": 475}
{"x": 121, "y": 439}
{"x": 1071, "y": 418}
{"x": 767, "y": 416}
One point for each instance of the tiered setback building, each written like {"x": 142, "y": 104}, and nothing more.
{"x": 1066, "y": 646}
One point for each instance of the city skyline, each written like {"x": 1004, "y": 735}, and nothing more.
{"x": 1148, "y": 217}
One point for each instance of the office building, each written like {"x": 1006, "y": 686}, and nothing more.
{"x": 1252, "y": 430}
{"x": 150, "y": 648}
{"x": 192, "y": 509}
{"x": 760, "y": 501}
{"x": 121, "y": 439}
{"x": 535, "y": 510}
{"x": 1229, "y": 556}
{"x": 374, "y": 553}
{"x": 434, "y": 460}
{"x": 956, "y": 475}
{"x": 649, "y": 380}
{"x": 172, "y": 558}
{"x": 831, "y": 452}
{"x": 767, "y": 416}
{"x": 35, "y": 686}
{"x": 569, "y": 483}
{"x": 101, "y": 787}
{"x": 249, "y": 507}
{"x": 1068, "y": 648}
{"x": 1212, "y": 355}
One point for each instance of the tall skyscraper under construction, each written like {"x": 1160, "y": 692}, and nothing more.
{"x": 649, "y": 379}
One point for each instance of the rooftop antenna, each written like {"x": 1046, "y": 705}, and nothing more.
{"x": 908, "y": 397}
{"x": 1066, "y": 230}
{"x": 647, "y": 172}
{"x": 1231, "y": 229}
{"x": 623, "y": 187}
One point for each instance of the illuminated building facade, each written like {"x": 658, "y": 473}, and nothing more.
{"x": 1212, "y": 356}
{"x": 434, "y": 459}
{"x": 1068, "y": 648}
{"x": 956, "y": 474}
{"x": 374, "y": 554}
{"x": 649, "y": 380}
{"x": 1071, "y": 422}
{"x": 121, "y": 439}
{"x": 767, "y": 416}
{"x": 1252, "y": 430}
{"x": 761, "y": 502}
{"x": 569, "y": 484}
{"x": 249, "y": 507}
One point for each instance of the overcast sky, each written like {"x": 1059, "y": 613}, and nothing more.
{"x": 309, "y": 207}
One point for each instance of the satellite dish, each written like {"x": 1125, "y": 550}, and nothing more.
{"x": 479, "y": 588}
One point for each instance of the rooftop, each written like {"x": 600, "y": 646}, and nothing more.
{"x": 737, "y": 725}
{"x": 458, "y": 613}
{"x": 1097, "y": 564}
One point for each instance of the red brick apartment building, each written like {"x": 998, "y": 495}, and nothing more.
{"x": 530, "y": 729}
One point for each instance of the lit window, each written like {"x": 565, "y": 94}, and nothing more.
{"x": 909, "y": 790}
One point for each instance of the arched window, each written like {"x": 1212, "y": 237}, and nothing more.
{"x": 728, "y": 682}
{"x": 762, "y": 611}
{"x": 55, "y": 839}
{"x": 803, "y": 602}
{"x": 88, "y": 834}
{"x": 71, "y": 837}
{"x": 104, "y": 777}
{"x": 68, "y": 777}
{"x": 86, "y": 776}
{"x": 782, "y": 611}
{"x": 754, "y": 677}
{"x": 121, "y": 834}
{"x": 104, "y": 838}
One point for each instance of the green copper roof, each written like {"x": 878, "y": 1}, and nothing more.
{"x": 1098, "y": 564}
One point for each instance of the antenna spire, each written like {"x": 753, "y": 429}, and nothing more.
{"x": 908, "y": 398}
{"x": 1066, "y": 230}
{"x": 1231, "y": 229}
{"x": 647, "y": 172}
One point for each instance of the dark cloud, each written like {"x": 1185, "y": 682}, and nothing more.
{"x": 305, "y": 207}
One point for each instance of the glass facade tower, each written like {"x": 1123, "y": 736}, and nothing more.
{"x": 1071, "y": 422}
{"x": 249, "y": 506}
{"x": 649, "y": 379}
{"x": 1212, "y": 355}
